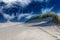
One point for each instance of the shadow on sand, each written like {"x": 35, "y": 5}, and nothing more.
{"x": 44, "y": 24}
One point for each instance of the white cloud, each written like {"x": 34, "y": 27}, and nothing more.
{"x": 8, "y": 16}
{"x": 29, "y": 16}
{"x": 22, "y": 15}
{"x": 47, "y": 10}
{"x": 23, "y": 2}
{"x": 26, "y": 15}
{"x": 9, "y": 1}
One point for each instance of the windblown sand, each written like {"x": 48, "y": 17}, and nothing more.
{"x": 20, "y": 31}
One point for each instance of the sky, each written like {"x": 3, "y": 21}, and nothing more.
{"x": 48, "y": 3}
{"x": 21, "y": 10}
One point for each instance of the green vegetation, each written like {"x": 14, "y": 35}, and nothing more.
{"x": 56, "y": 18}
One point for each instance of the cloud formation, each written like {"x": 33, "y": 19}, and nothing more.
{"x": 25, "y": 9}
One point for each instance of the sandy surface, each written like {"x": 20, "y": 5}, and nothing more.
{"x": 19, "y": 31}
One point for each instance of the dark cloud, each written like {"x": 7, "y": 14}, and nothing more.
{"x": 2, "y": 19}
{"x": 2, "y": 4}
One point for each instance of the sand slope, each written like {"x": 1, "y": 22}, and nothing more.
{"x": 19, "y": 31}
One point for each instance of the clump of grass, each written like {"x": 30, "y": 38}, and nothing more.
{"x": 56, "y": 18}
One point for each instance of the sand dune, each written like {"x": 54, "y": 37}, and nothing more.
{"x": 20, "y": 31}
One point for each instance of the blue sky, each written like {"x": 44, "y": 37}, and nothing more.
{"x": 14, "y": 10}
{"x": 37, "y": 5}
